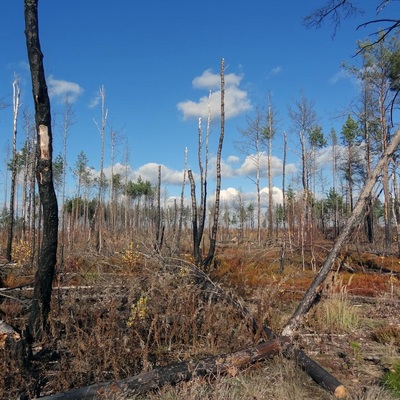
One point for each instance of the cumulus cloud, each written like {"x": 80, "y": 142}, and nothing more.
{"x": 232, "y": 195}
{"x": 169, "y": 176}
{"x": 64, "y": 90}
{"x": 249, "y": 166}
{"x": 233, "y": 159}
{"x": 226, "y": 170}
{"x": 236, "y": 99}
{"x": 148, "y": 172}
{"x": 94, "y": 101}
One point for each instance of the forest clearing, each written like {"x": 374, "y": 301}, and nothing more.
{"x": 116, "y": 316}
{"x": 114, "y": 290}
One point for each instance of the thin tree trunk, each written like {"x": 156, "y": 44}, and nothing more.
{"x": 16, "y": 97}
{"x": 195, "y": 234}
{"x": 283, "y": 250}
{"x": 158, "y": 244}
{"x": 40, "y": 307}
{"x": 182, "y": 204}
{"x": 99, "y": 207}
{"x": 316, "y": 286}
{"x": 214, "y": 230}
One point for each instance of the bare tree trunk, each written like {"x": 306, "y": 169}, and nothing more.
{"x": 40, "y": 307}
{"x": 99, "y": 206}
{"x": 316, "y": 286}
{"x": 271, "y": 133}
{"x": 127, "y": 199}
{"x": 68, "y": 114}
{"x": 113, "y": 208}
{"x": 195, "y": 233}
{"x": 214, "y": 230}
{"x": 283, "y": 251}
{"x": 16, "y": 97}
{"x": 182, "y": 204}
{"x": 159, "y": 231}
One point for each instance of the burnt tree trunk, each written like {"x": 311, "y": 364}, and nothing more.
{"x": 213, "y": 236}
{"x": 40, "y": 306}
{"x": 173, "y": 374}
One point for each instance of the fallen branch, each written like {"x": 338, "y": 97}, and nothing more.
{"x": 173, "y": 374}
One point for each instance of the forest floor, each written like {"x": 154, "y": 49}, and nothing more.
{"x": 119, "y": 314}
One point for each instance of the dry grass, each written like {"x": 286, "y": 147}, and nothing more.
{"x": 139, "y": 313}
{"x": 279, "y": 379}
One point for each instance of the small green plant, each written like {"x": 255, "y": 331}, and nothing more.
{"x": 356, "y": 347}
{"x": 392, "y": 380}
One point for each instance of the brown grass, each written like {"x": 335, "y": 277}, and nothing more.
{"x": 138, "y": 313}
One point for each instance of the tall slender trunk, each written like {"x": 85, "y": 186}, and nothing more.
{"x": 283, "y": 250}
{"x": 16, "y": 97}
{"x": 182, "y": 204}
{"x": 214, "y": 230}
{"x": 40, "y": 306}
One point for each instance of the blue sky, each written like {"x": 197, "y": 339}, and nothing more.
{"x": 158, "y": 61}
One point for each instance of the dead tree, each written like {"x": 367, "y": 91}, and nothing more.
{"x": 213, "y": 236}
{"x": 175, "y": 373}
{"x": 315, "y": 289}
{"x": 44, "y": 174}
{"x": 14, "y": 167}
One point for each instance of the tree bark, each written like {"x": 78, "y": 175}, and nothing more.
{"x": 16, "y": 98}
{"x": 173, "y": 374}
{"x": 48, "y": 252}
{"x": 316, "y": 287}
{"x": 213, "y": 237}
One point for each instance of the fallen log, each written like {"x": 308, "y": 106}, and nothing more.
{"x": 173, "y": 374}
{"x": 311, "y": 367}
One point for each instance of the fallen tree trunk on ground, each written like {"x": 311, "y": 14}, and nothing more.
{"x": 173, "y": 374}
{"x": 312, "y": 368}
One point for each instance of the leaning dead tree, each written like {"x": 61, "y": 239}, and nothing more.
{"x": 316, "y": 287}
{"x": 40, "y": 306}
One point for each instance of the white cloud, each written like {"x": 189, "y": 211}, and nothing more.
{"x": 226, "y": 170}
{"x": 276, "y": 70}
{"x": 249, "y": 166}
{"x": 233, "y": 159}
{"x": 236, "y": 100}
{"x": 64, "y": 90}
{"x": 94, "y": 101}
{"x": 148, "y": 172}
{"x": 228, "y": 195}
{"x": 231, "y": 196}
{"x": 338, "y": 76}
{"x": 169, "y": 176}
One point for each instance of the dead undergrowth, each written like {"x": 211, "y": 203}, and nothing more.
{"x": 117, "y": 315}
